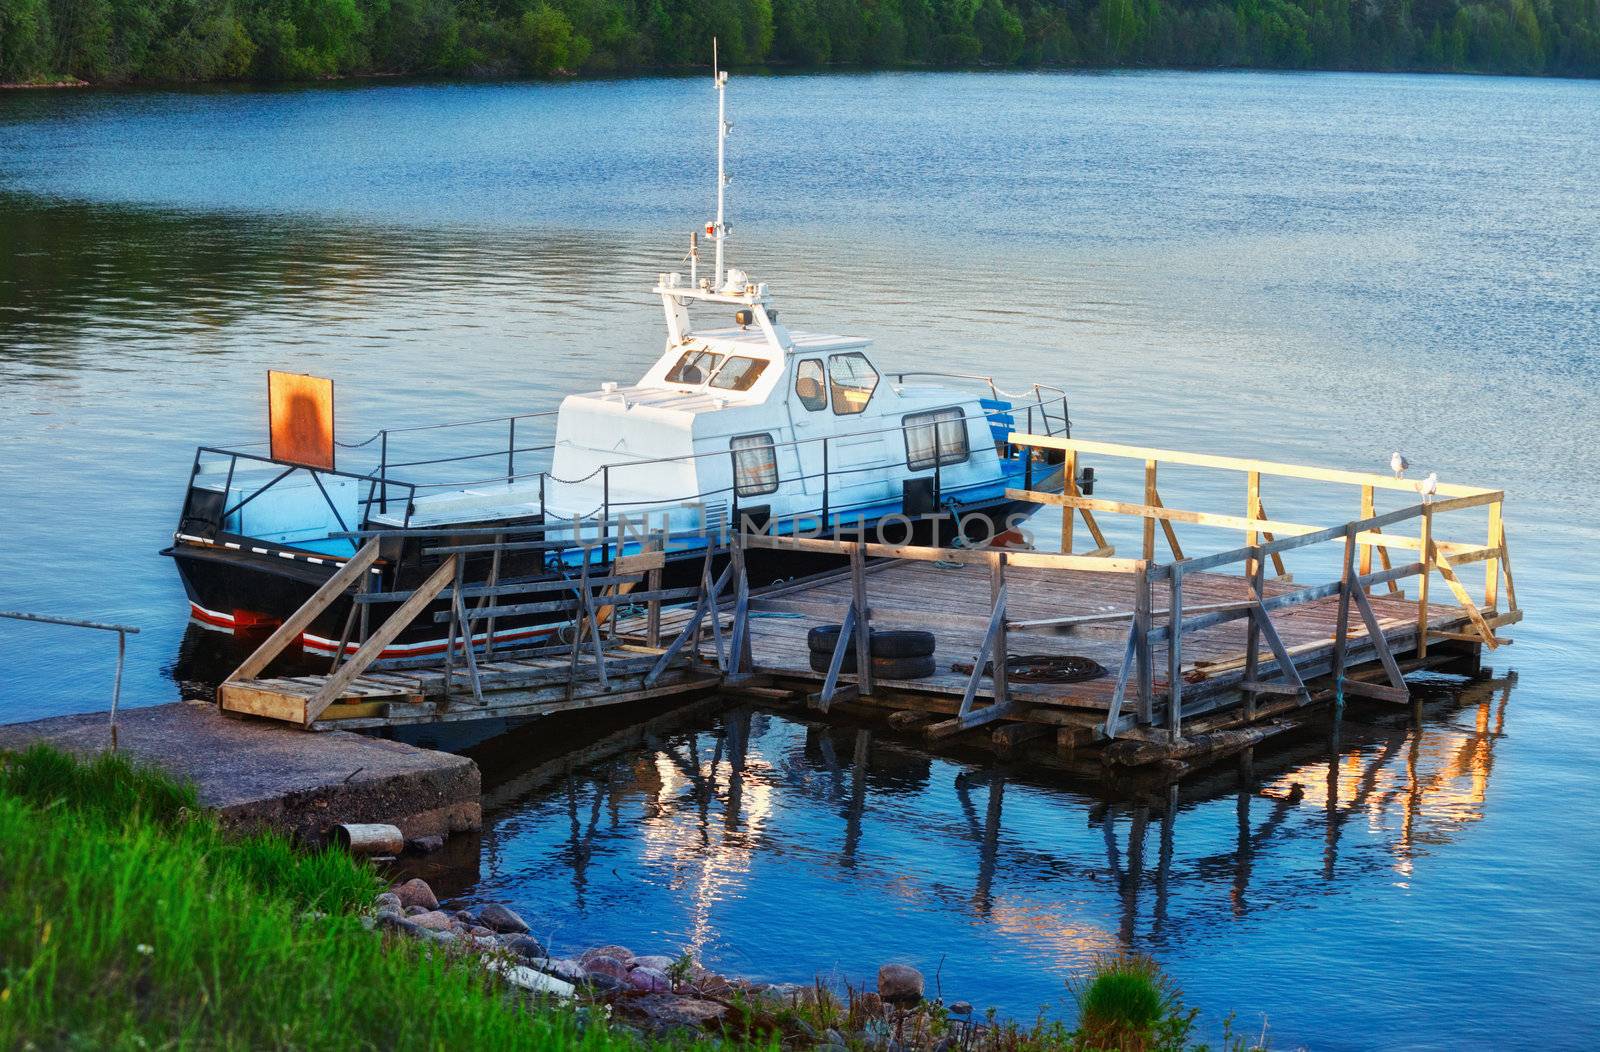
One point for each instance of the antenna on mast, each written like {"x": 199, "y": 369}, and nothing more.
{"x": 721, "y": 80}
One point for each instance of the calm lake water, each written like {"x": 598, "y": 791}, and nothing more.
{"x": 1315, "y": 268}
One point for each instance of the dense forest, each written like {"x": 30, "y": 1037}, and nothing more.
{"x": 113, "y": 41}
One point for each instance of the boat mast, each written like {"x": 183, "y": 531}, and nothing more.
{"x": 721, "y": 80}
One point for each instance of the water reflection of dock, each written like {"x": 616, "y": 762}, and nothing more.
{"x": 1062, "y": 872}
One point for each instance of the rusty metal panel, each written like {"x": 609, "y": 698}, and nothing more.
{"x": 300, "y": 411}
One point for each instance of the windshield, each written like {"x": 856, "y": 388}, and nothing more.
{"x": 695, "y": 367}
{"x": 739, "y": 373}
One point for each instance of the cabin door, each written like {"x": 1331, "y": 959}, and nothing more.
{"x": 808, "y": 412}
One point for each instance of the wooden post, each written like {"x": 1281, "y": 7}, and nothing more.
{"x": 1422, "y": 584}
{"x": 1150, "y": 501}
{"x": 858, "y": 581}
{"x": 652, "y": 630}
{"x": 1175, "y": 659}
{"x": 1368, "y": 510}
{"x": 1069, "y": 486}
{"x": 1491, "y": 566}
{"x": 1252, "y": 499}
{"x": 1142, "y": 654}
{"x": 1252, "y": 635}
{"x": 1341, "y": 628}
{"x": 494, "y": 580}
{"x": 997, "y": 595}
{"x": 450, "y": 636}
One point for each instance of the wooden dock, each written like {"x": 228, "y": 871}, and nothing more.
{"x": 1190, "y": 646}
{"x": 1192, "y": 649}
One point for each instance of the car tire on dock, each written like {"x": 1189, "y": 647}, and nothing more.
{"x": 883, "y": 642}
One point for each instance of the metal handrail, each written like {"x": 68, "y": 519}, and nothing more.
{"x": 122, "y": 631}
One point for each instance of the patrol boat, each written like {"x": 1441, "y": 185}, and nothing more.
{"x": 742, "y": 423}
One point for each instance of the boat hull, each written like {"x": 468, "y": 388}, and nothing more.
{"x": 245, "y": 589}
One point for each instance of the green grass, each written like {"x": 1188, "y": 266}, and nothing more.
{"x": 131, "y": 921}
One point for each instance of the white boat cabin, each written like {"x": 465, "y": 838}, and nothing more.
{"x": 754, "y": 415}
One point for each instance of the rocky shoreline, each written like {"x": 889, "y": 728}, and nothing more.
{"x": 656, "y": 995}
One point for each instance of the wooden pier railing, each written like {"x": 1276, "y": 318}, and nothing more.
{"x": 1281, "y": 672}
{"x": 1268, "y": 539}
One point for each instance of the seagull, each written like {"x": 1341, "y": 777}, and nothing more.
{"x": 1398, "y": 464}
{"x": 1429, "y": 486}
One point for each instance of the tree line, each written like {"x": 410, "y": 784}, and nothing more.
{"x": 130, "y": 41}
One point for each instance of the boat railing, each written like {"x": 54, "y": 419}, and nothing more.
{"x": 1048, "y": 406}
{"x": 510, "y": 452}
{"x": 377, "y": 489}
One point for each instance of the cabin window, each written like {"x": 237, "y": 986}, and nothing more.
{"x": 851, "y": 380}
{"x": 755, "y": 465}
{"x": 937, "y": 437}
{"x": 695, "y": 367}
{"x": 808, "y": 385}
{"x": 739, "y": 373}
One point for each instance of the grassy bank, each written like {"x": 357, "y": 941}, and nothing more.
{"x": 132, "y": 921}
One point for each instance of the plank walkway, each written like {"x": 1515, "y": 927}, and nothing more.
{"x": 939, "y": 597}
{"x": 531, "y": 686}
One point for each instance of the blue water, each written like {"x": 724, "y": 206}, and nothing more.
{"x": 1315, "y": 268}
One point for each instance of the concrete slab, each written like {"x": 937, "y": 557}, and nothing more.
{"x": 256, "y": 774}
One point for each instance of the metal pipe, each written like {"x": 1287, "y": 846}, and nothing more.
{"x": 383, "y": 473}
{"x": 826, "y": 526}
{"x": 122, "y": 631}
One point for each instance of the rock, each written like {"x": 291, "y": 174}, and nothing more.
{"x": 712, "y": 985}
{"x": 464, "y": 917}
{"x": 961, "y": 1008}
{"x": 658, "y": 962}
{"x": 415, "y": 892}
{"x": 871, "y": 1003}
{"x": 621, "y": 953}
{"x": 530, "y": 979}
{"x": 526, "y": 947}
{"x": 502, "y": 920}
{"x": 784, "y": 993}
{"x": 806, "y": 1030}
{"x": 944, "y": 1044}
{"x": 478, "y": 931}
{"x": 900, "y": 984}
{"x": 608, "y": 966}
{"x": 665, "y": 1011}
{"x": 835, "y": 1038}
{"x": 396, "y": 923}
{"x": 434, "y": 920}
{"x": 601, "y": 983}
{"x": 389, "y": 901}
{"x": 425, "y": 845}
{"x": 412, "y": 911}
{"x": 370, "y": 923}
{"x": 560, "y": 967}
{"x": 650, "y": 980}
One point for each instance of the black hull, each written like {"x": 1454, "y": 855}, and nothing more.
{"x": 246, "y": 589}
